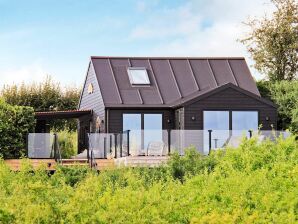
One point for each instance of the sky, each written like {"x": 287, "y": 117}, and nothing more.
{"x": 57, "y": 37}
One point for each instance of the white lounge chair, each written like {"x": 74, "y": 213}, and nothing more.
{"x": 156, "y": 149}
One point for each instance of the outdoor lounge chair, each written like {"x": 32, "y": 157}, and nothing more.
{"x": 156, "y": 149}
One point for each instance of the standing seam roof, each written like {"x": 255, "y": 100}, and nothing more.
{"x": 171, "y": 78}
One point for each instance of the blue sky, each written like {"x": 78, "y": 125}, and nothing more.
{"x": 58, "y": 37}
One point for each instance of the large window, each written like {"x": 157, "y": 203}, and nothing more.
{"x": 133, "y": 122}
{"x": 144, "y": 128}
{"x": 218, "y": 122}
{"x": 152, "y": 128}
{"x": 244, "y": 120}
{"x": 223, "y": 128}
{"x": 138, "y": 76}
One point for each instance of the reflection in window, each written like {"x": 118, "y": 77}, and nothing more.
{"x": 218, "y": 122}
{"x": 242, "y": 121}
{"x": 152, "y": 128}
{"x": 133, "y": 123}
{"x": 138, "y": 76}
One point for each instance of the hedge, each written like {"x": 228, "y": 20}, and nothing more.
{"x": 15, "y": 123}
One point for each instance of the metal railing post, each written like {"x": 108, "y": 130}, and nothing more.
{"x": 250, "y": 133}
{"x": 88, "y": 145}
{"x": 105, "y": 147}
{"x": 210, "y": 140}
{"x": 111, "y": 141}
{"x": 169, "y": 141}
{"x": 27, "y": 145}
{"x": 115, "y": 145}
{"x": 128, "y": 154}
{"x": 120, "y": 143}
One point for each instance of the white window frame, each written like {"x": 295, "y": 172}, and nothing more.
{"x": 131, "y": 79}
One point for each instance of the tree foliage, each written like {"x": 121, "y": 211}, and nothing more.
{"x": 15, "y": 123}
{"x": 273, "y": 41}
{"x": 45, "y": 96}
{"x": 285, "y": 95}
{"x": 255, "y": 183}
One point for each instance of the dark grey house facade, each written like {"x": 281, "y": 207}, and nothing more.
{"x": 140, "y": 93}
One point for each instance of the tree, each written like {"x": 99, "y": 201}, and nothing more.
{"x": 45, "y": 96}
{"x": 284, "y": 94}
{"x": 273, "y": 41}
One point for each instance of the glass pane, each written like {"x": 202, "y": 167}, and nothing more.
{"x": 152, "y": 128}
{"x": 242, "y": 121}
{"x": 133, "y": 123}
{"x": 138, "y": 76}
{"x": 218, "y": 122}
{"x": 245, "y": 120}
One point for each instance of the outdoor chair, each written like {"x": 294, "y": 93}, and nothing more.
{"x": 156, "y": 149}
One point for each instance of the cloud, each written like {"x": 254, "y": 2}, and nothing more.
{"x": 34, "y": 72}
{"x": 200, "y": 28}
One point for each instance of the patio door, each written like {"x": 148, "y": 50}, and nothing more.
{"x": 144, "y": 128}
{"x": 152, "y": 129}
{"x": 133, "y": 122}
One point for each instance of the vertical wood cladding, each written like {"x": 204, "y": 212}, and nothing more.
{"x": 115, "y": 118}
{"x": 93, "y": 101}
{"x": 229, "y": 99}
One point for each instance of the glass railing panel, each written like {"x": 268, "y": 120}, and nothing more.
{"x": 182, "y": 139}
{"x": 40, "y": 145}
{"x": 102, "y": 144}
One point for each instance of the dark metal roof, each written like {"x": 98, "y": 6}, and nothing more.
{"x": 173, "y": 79}
{"x": 49, "y": 115}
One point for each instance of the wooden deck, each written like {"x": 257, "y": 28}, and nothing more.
{"x": 50, "y": 164}
{"x": 15, "y": 164}
{"x": 102, "y": 164}
{"x": 143, "y": 161}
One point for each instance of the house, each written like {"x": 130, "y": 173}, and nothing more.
{"x": 161, "y": 93}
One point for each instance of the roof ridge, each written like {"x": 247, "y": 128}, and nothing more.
{"x": 169, "y": 57}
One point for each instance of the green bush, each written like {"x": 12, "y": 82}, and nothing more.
{"x": 284, "y": 94}
{"x": 15, "y": 123}
{"x": 255, "y": 183}
{"x": 45, "y": 96}
{"x": 68, "y": 143}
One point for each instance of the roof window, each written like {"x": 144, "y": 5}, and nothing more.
{"x": 138, "y": 76}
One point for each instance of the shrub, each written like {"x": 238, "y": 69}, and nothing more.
{"x": 255, "y": 183}
{"x": 45, "y": 96}
{"x": 15, "y": 123}
{"x": 284, "y": 94}
{"x": 68, "y": 143}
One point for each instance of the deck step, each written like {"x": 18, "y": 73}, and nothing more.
{"x": 74, "y": 162}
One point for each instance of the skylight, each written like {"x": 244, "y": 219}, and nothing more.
{"x": 138, "y": 76}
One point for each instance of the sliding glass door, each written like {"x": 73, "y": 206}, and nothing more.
{"x": 133, "y": 122}
{"x": 144, "y": 128}
{"x": 152, "y": 128}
